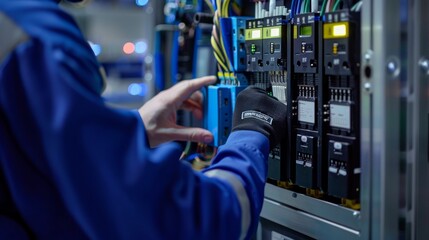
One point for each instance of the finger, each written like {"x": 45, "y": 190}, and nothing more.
{"x": 191, "y": 104}
{"x": 181, "y": 133}
{"x": 194, "y": 107}
{"x": 197, "y": 97}
{"x": 185, "y": 88}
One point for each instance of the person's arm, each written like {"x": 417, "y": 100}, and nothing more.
{"x": 259, "y": 123}
{"x": 98, "y": 159}
{"x": 242, "y": 163}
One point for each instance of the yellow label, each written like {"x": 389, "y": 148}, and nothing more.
{"x": 336, "y": 30}
{"x": 272, "y": 32}
{"x": 295, "y": 31}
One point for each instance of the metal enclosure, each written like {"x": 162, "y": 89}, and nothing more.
{"x": 383, "y": 215}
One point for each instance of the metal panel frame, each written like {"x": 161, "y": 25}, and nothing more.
{"x": 306, "y": 223}
{"x": 332, "y": 212}
{"x": 380, "y": 119}
{"x": 418, "y": 174}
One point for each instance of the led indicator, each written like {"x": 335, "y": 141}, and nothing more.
{"x": 339, "y": 30}
{"x": 253, "y": 48}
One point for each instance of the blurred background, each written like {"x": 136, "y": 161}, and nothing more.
{"x": 133, "y": 39}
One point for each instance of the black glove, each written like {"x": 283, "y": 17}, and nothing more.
{"x": 255, "y": 110}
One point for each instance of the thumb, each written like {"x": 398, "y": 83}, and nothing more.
{"x": 193, "y": 134}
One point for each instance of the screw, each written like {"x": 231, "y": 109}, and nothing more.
{"x": 367, "y": 86}
{"x": 393, "y": 67}
{"x": 368, "y": 55}
{"x": 424, "y": 66}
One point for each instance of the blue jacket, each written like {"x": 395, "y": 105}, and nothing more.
{"x": 73, "y": 168}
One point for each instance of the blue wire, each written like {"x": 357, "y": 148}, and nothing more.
{"x": 175, "y": 58}
{"x": 298, "y": 7}
{"x": 291, "y": 8}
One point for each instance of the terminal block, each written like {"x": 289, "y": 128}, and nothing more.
{"x": 219, "y": 113}
{"x": 341, "y": 55}
{"x": 220, "y": 109}
{"x": 254, "y": 45}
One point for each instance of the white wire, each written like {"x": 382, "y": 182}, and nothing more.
{"x": 314, "y": 5}
{"x": 272, "y": 7}
{"x": 328, "y": 6}
{"x": 359, "y": 6}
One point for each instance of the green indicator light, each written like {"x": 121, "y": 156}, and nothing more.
{"x": 253, "y": 48}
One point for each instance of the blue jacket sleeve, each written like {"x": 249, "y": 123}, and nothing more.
{"x": 97, "y": 161}
{"x": 245, "y": 155}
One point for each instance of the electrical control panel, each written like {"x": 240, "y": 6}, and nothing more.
{"x": 352, "y": 139}
{"x": 308, "y": 57}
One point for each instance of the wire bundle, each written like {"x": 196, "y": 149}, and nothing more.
{"x": 217, "y": 42}
{"x": 303, "y": 6}
{"x": 357, "y": 6}
{"x": 333, "y": 5}
{"x": 330, "y": 6}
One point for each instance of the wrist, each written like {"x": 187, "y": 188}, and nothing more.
{"x": 250, "y": 137}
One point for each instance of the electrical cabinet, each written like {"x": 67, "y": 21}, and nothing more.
{"x": 354, "y": 77}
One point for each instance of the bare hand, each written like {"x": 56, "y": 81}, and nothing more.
{"x": 159, "y": 113}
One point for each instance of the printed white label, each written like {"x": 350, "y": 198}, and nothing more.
{"x": 256, "y": 34}
{"x": 340, "y": 116}
{"x": 257, "y": 115}
{"x": 306, "y": 111}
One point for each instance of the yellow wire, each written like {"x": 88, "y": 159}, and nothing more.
{"x": 216, "y": 45}
{"x": 210, "y": 5}
{"x": 218, "y": 4}
{"x": 225, "y": 6}
{"x": 228, "y": 62}
{"x": 236, "y": 8}
{"x": 219, "y": 39}
{"x": 218, "y": 51}
{"x": 220, "y": 62}
{"x": 218, "y": 54}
